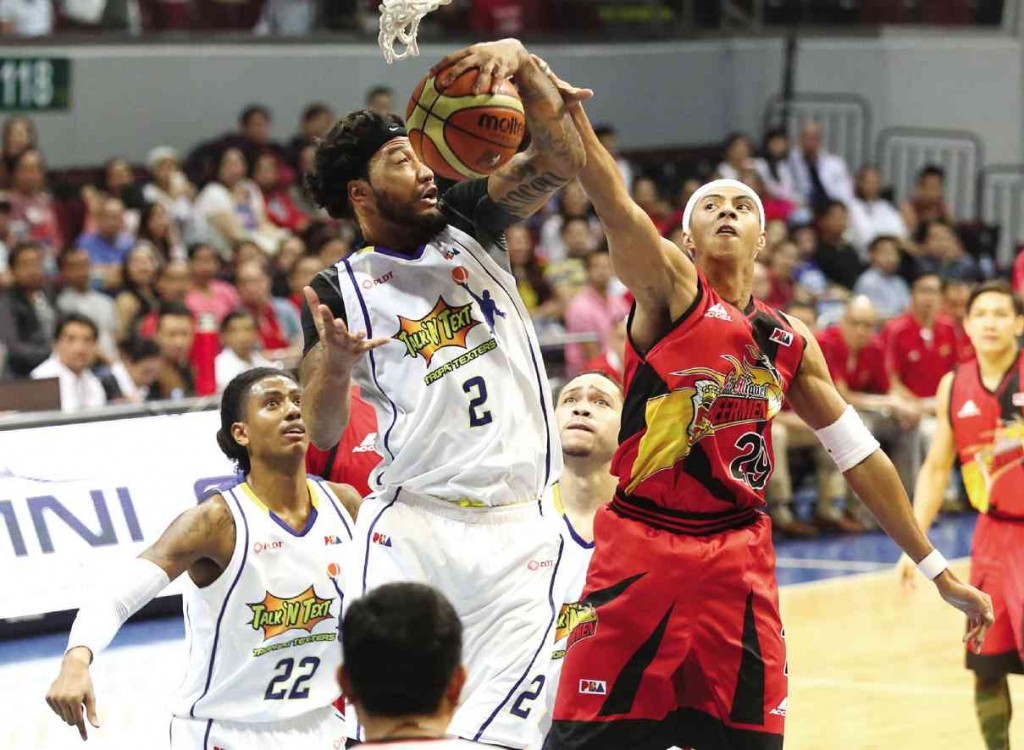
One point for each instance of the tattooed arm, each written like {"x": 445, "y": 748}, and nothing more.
{"x": 555, "y": 155}
{"x": 200, "y": 541}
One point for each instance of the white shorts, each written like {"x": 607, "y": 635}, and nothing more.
{"x": 320, "y": 729}
{"x": 497, "y": 567}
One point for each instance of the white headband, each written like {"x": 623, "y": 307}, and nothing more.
{"x": 718, "y": 185}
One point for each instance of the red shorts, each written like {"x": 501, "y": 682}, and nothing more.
{"x": 997, "y": 568}
{"x": 684, "y": 644}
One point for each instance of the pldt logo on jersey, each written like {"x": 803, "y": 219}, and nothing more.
{"x": 445, "y": 325}
{"x": 276, "y": 615}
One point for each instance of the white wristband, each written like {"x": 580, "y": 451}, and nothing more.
{"x": 932, "y": 565}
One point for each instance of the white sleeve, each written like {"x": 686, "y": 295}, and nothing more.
{"x": 98, "y": 621}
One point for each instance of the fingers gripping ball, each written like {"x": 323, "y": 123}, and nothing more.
{"x": 461, "y": 135}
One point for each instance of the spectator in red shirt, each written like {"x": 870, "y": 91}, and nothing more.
{"x": 920, "y": 345}
{"x": 281, "y": 209}
{"x": 277, "y": 320}
{"x": 782, "y": 268}
{"x": 355, "y": 456}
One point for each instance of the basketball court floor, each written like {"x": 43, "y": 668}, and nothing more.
{"x": 870, "y": 667}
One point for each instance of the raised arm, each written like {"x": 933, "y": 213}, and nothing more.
{"x": 201, "y": 541}
{"x": 873, "y": 477}
{"x": 555, "y": 154}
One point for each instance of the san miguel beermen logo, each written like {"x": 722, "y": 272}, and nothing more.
{"x": 1002, "y": 451}
{"x": 275, "y": 616}
{"x": 705, "y": 401}
{"x": 575, "y": 622}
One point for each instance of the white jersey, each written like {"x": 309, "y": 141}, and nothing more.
{"x": 263, "y": 638}
{"x": 575, "y": 620}
{"x": 423, "y": 744}
{"x": 462, "y": 398}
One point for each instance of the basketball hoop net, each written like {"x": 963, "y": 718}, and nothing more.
{"x": 399, "y": 22}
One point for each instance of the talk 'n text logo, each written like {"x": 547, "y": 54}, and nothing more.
{"x": 275, "y": 615}
{"x": 445, "y": 325}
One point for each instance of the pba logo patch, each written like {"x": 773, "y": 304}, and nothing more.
{"x": 382, "y": 539}
{"x": 593, "y": 687}
{"x": 780, "y": 336}
{"x": 445, "y": 325}
{"x": 276, "y": 615}
{"x": 331, "y": 539}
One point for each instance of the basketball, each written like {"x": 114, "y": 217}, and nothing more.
{"x": 462, "y": 135}
{"x": 460, "y": 274}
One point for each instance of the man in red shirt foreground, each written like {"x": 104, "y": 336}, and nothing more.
{"x": 981, "y": 422}
{"x": 684, "y": 643}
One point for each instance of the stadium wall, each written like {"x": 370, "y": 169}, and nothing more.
{"x": 127, "y": 98}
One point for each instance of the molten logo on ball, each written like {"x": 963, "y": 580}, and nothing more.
{"x": 511, "y": 125}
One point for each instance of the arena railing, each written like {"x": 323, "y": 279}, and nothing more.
{"x": 846, "y": 121}
{"x": 901, "y": 152}
{"x": 1001, "y": 203}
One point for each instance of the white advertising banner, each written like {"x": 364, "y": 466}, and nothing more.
{"x": 77, "y": 500}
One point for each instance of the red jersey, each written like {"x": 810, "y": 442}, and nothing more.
{"x": 964, "y": 347}
{"x": 919, "y": 356}
{"x": 988, "y": 429}
{"x": 355, "y": 456}
{"x": 695, "y": 450}
{"x": 863, "y": 373}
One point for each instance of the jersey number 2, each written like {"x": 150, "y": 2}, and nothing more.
{"x": 524, "y": 703}
{"x": 278, "y": 688}
{"x": 477, "y": 386}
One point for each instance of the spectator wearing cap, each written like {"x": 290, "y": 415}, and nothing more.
{"x": 594, "y": 310}
{"x": 207, "y": 294}
{"x": 129, "y": 379}
{"x": 74, "y": 352}
{"x": 109, "y": 244}
{"x": 920, "y": 344}
{"x": 32, "y": 208}
{"x": 18, "y": 136}
{"x": 240, "y": 340}
{"x": 881, "y": 282}
{"x": 175, "y": 331}
{"x": 821, "y": 177}
{"x": 27, "y": 316}
{"x": 277, "y": 321}
{"x": 230, "y": 209}
{"x": 871, "y": 215}
{"x": 834, "y": 255}
{"x": 169, "y": 186}
{"x": 928, "y": 200}
{"x": 80, "y": 298}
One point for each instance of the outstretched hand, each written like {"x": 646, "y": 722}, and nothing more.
{"x": 496, "y": 61}
{"x": 977, "y": 605}
{"x": 341, "y": 347}
{"x": 570, "y": 94}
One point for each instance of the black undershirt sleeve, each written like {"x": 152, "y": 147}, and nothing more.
{"x": 325, "y": 284}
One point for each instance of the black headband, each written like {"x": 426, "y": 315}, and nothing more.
{"x": 374, "y": 138}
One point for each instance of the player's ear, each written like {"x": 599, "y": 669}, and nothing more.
{"x": 762, "y": 242}
{"x": 240, "y": 433}
{"x": 1018, "y": 328}
{"x": 455, "y": 685}
{"x": 358, "y": 192}
{"x": 691, "y": 248}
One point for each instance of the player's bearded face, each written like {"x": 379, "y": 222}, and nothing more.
{"x": 403, "y": 189}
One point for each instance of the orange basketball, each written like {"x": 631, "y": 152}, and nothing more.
{"x": 462, "y": 135}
